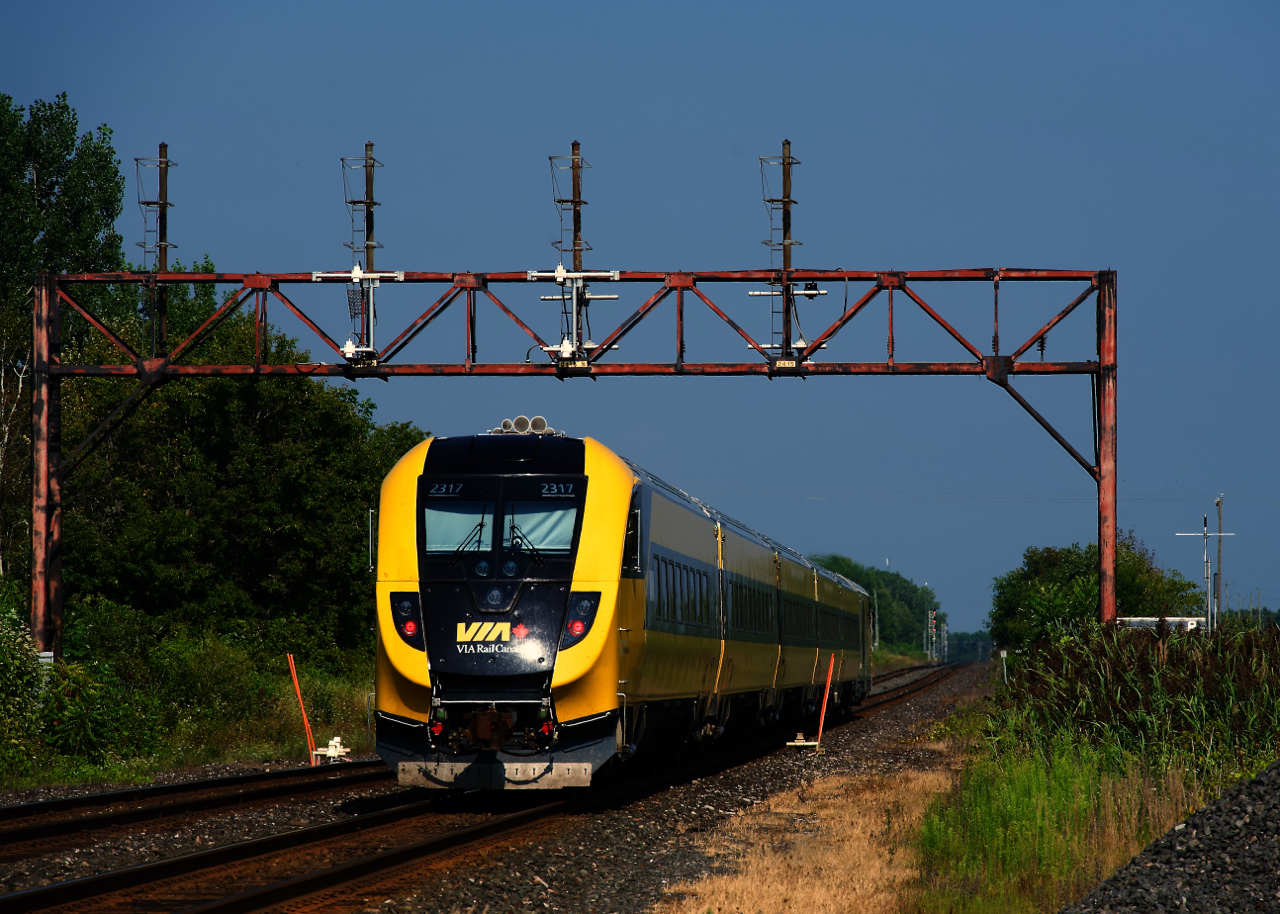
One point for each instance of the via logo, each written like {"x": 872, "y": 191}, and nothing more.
{"x": 484, "y": 631}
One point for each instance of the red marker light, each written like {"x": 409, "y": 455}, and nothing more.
{"x": 436, "y": 728}
{"x": 577, "y": 627}
{"x": 410, "y": 628}
{"x": 548, "y": 727}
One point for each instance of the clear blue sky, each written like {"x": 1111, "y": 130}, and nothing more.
{"x": 1137, "y": 137}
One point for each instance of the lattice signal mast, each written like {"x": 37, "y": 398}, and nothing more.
{"x": 155, "y": 239}
{"x": 575, "y": 296}
{"x": 360, "y": 292}
{"x": 784, "y": 319}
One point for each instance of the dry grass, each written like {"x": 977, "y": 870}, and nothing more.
{"x": 838, "y": 844}
{"x": 977, "y": 834}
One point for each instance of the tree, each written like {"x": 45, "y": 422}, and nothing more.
{"x": 1055, "y": 591}
{"x": 233, "y": 505}
{"x": 60, "y": 194}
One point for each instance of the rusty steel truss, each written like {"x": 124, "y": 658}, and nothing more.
{"x": 573, "y": 358}
{"x": 576, "y": 355}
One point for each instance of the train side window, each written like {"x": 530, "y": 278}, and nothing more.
{"x": 664, "y": 590}
{"x": 702, "y": 598}
{"x": 668, "y": 585}
{"x": 631, "y": 558}
{"x": 654, "y": 589}
{"x": 706, "y": 597}
{"x": 659, "y": 600}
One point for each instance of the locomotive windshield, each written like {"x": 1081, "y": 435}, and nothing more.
{"x": 529, "y": 519}
{"x": 546, "y": 528}
{"x": 459, "y": 526}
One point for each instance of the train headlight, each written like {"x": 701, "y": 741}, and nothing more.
{"x": 406, "y": 607}
{"x": 582, "y": 613}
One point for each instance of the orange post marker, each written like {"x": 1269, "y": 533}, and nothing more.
{"x": 306, "y": 724}
{"x": 831, "y": 665}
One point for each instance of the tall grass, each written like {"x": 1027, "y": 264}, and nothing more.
{"x": 1099, "y": 743}
{"x": 1209, "y": 704}
{"x": 1017, "y": 834}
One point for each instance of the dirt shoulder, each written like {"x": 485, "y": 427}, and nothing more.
{"x": 793, "y": 851}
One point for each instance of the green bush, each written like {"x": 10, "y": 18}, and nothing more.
{"x": 78, "y": 716}
{"x": 20, "y": 681}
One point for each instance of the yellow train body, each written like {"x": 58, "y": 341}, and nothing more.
{"x": 546, "y": 608}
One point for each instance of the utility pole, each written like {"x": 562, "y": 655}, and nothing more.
{"x": 1217, "y": 582}
{"x": 1208, "y": 592}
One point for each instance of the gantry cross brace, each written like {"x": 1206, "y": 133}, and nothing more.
{"x": 794, "y": 358}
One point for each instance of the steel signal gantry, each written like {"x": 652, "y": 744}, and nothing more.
{"x": 256, "y": 289}
{"x": 575, "y": 356}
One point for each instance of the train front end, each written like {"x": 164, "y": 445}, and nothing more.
{"x": 498, "y": 574}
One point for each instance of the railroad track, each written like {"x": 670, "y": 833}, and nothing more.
{"x": 894, "y": 674}
{"x": 31, "y": 829}
{"x": 150, "y": 885}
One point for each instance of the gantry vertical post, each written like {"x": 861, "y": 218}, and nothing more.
{"x": 679, "y": 329}
{"x": 1107, "y": 446}
{"x": 471, "y": 327}
{"x": 46, "y": 489}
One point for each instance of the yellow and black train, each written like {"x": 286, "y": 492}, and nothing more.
{"x": 546, "y": 608}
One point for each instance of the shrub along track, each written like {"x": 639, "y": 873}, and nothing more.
{"x": 288, "y": 868}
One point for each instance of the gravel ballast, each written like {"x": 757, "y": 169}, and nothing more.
{"x": 617, "y": 860}
{"x": 1224, "y": 859}
{"x": 622, "y": 861}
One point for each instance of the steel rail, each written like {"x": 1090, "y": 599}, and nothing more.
{"x": 894, "y": 674}
{"x": 74, "y": 890}
{"x": 129, "y": 794}
{"x": 40, "y": 837}
{"x": 902, "y": 693}
{"x": 301, "y": 887}
{"x": 297, "y": 888}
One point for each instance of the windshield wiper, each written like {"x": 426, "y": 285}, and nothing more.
{"x": 516, "y": 544}
{"x": 477, "y": 531}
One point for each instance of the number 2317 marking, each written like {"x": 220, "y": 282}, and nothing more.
{"x": 557, "y": 488}
{"x": 445, "y": 488}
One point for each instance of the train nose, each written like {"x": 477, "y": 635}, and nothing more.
{"x": 494, "y": 629}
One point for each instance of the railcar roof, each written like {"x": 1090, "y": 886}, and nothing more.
{"x": 722, "y": 518}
